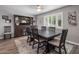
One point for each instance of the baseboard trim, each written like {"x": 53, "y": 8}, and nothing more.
{"x": 66, "y": 41}
{"x": 3, "y": 37}
{"x": 72, "y": 42}
{"x": 69, "y": 42}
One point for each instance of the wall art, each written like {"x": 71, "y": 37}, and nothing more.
{"x": 72, "y": 18}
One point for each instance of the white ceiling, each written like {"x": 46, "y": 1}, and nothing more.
{"x": 28, "y": 9}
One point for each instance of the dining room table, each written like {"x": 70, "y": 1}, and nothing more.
{"x": 47, "y": 35}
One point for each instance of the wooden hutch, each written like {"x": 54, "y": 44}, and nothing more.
{"x": 20, "y": 24}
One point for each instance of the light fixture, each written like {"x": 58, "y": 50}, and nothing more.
{"x": 17, "y": 23}
{"x": 39, "y": 8}
{"x": 8, "y": 20}
{"x": 23, "y": 21}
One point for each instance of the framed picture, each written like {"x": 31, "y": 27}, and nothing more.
{"x": 72, "y": 18}
{"x": 4, "y": 17}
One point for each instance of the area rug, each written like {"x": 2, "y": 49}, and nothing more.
{"x": 24, "y": 48}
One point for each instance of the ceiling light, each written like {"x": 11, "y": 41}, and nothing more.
{"x": 39, "y": 8}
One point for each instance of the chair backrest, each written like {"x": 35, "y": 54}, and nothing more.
{"x": 52, "y": 29}
{"x": 63, "y": 37}
{"x": 43, "y": 27}
{"x": 34, "y": 26}
{"x": 28, "y": 30}
{"x": 35, "y": 33}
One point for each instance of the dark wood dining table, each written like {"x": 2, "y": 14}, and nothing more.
{"x": 47, "y": 35}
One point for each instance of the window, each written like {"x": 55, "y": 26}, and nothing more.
{"x": 54, "y": 20}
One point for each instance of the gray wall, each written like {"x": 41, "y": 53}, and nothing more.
{"x": 73, "y": 35}
{"x": 2, "y": 24}
{"x": 2, "y": 21}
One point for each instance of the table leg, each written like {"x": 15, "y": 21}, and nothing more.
{"x": 38, "y": 46}
{"x": 46, "y": 48}
{"x": 38, "y": 49}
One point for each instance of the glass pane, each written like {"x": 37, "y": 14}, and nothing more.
{"x": 53, "y": 20}
{"x": 46, "y": 21}
{"x": 49, "y": 19}
{"x": 59, "y": 20}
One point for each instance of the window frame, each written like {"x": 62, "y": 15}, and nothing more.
{"x": 56, "y": 24}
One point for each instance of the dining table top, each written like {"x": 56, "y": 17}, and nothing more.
{"x": 47, "y": 34}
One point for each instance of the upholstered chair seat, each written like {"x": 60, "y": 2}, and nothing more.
{"x": 60, "y": 42}
{"x": 55, "y": 42}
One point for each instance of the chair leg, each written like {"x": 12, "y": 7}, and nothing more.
{"x": 33, "y": 45}
{"x": 30, "y": 40}
{"x": 27, "y": 39}
{"x": 46, "y": 48}
{"x": 65, "y": 49}
{"x": 29, "y": 43}
{"x": 38, "y": 48}
{"x": 59, "y": 50}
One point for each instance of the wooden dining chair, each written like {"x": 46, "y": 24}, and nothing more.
{"x": 52, "y": 29}
{"x": 30, "y": 36}
{"x": 43, "y": 27}
{"x": 37, "y": 40}
{"x": 60, "y": 43}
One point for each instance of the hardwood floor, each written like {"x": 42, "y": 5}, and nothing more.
{"x": 8, "y": 47}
